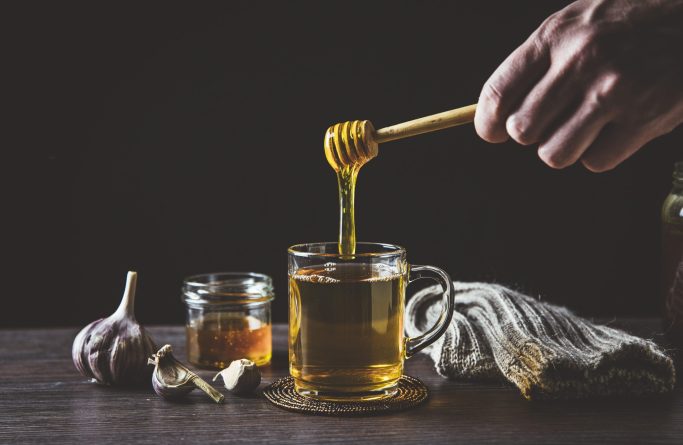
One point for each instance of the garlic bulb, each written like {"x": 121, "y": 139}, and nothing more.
{"x": 114, "y": 350}
{"x": 241, "y": 377}
{"x": 172, "y": 380}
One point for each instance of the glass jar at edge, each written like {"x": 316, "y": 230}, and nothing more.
{"x": 672, "y": 259}
{"x": 228, "y": 318}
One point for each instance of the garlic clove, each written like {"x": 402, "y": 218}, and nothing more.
{"x": 169, "y": 391}
{"x": 241, "y": 377}
{"x": 114, "y": 350}
{"x": 169, "y": 381}
{"x": 172, "y": 380}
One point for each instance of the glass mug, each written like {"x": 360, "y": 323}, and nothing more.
{"x": 346, "y": 338}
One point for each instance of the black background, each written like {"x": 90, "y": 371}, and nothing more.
{"x": 175, "y": 140}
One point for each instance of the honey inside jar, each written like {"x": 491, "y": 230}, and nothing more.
{"x": 228, "y": 318}
{"x": 218, "y": 339}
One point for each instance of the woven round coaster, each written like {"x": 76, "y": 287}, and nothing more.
{"x": 411, "y": 393}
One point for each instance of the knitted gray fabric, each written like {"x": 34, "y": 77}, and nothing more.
{"x": 545, "y": 350}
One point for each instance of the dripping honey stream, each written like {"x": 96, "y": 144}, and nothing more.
{"x": 350, "y": 145}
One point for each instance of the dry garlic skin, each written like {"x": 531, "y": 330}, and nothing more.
{"x": 114, "y": 350}
{"x": 172, "y": 380}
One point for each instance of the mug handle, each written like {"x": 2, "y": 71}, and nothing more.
{"x": 416, "y": 344}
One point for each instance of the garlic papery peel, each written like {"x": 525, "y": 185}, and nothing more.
{"x": 114, "y": 350}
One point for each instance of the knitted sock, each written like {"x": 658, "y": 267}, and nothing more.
{"x": 545, "y": 350}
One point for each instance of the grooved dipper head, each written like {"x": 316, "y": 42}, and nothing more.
{"x": 350, "y": 143}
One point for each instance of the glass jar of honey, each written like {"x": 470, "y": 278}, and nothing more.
{"x": 228, "y": 318}
{"x": 672, "y": 258}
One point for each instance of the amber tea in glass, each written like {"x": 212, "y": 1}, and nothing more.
{"x": 346, "y": 319}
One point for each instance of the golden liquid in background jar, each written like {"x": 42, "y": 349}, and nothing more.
{"x": 672, "y": 259}
{"x": 219, "y": 338}
{"x": 346, "y": 328}
{"x": 672, "y": 281}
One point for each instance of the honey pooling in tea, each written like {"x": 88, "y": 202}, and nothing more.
{"x": 348, "y": 146}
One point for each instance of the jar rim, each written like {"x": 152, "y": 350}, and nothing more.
{"x": 232, "y": 288}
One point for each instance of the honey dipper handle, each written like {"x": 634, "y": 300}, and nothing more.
{"x": 439, "y": 121}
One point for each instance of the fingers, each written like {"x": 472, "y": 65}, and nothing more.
{"x": 507, "y": 86}
{"x": 547, "y": 100}
{"x": 614, "y": 145}
{"x": 571, "y": 139}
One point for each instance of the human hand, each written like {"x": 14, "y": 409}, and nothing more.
{"x": 595, "y": 82}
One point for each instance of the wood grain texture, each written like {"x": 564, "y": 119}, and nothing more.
{"x": 44, "y": 400}
{"x": 439, "y": 121}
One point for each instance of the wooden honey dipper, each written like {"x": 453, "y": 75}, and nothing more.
{"x": 356, "y": 142}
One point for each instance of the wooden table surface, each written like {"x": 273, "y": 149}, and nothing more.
{"x": 44, "y": 400}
